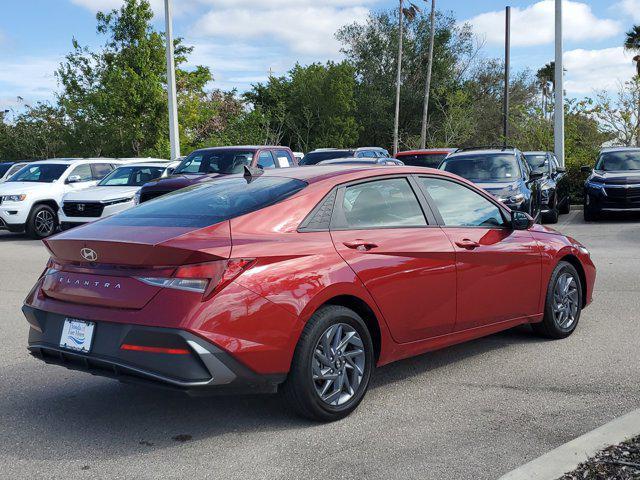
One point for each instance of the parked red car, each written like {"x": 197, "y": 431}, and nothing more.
{"x": 300, "y": 279}
{"x": 430, "y": 157}
{"x": 208, "y": 163}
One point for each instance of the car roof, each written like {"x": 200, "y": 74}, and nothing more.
{"x": 620, "y": 149}
{"x": 239, "y": 147}
{"x": 539, "y": 152}
{"x": 427, "y": 151}
{"x": 481, "y": 152}
{"x": 145, "y": 164}
{"x": 72, "y": 161}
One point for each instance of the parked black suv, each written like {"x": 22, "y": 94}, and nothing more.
{"x": 614, "y": 183}
{"x": 554, "y": 187}
{"x": 503, "y": 172}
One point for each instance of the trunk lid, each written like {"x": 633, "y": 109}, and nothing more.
{"x": 98, "y": 266}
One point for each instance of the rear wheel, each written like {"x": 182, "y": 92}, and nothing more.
{"x": 563, "y": 303}
{"x": 332, "y": 365}
{"x": 42, "y": 222}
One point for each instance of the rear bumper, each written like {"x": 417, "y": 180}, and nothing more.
{"x": 206, "y": 369}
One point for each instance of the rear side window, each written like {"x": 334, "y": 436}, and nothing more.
{"x": 382, "y": 204}
{"x": 210, "y": 203}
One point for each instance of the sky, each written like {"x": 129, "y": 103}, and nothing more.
{"x": 241, "y": 41}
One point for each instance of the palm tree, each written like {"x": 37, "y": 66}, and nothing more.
{"x": 427, "y": 90}
{"x": 410, "y": 12}
{"x": 546, "y": 80}
{"x": 632, "y": 44}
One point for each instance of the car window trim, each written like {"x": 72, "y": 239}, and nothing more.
{"x": 338, "y": 218}
{"x": 440, "y": 221}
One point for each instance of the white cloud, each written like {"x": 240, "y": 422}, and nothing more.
{"x": 534, "y": 25}
{"x": 629, "y": 7}
{"x": 592, "y": 70}
{"x": 32, "y": 78}
{"x": 304, "y": 29}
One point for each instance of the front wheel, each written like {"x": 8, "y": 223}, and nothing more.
{"x": 332, "y": 365}
{"x": 563, "y": 303}
{"x": 42, "y": 222}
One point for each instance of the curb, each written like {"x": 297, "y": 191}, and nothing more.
{"x": 567, "y": 457}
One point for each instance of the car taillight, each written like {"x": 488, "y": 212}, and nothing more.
{"x": 51, "y": 268}
{"x": 149, "y": 349}
{"x": 205, "y": 278}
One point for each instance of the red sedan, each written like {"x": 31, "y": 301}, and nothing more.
{"x": 301, "y": 280}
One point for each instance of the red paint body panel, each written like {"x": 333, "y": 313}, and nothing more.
{"x": 424, "y": 291}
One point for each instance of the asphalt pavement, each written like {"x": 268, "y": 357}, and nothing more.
{"x": 473, "y": 411}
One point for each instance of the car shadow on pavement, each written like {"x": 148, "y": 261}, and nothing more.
{"x": 97, "y": 417}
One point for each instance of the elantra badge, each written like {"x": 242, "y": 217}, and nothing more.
{"x": 89, "y": 255}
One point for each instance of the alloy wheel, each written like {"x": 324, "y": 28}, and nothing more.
{"x": 44, "y": 222}
{"x": 338, "y": 364}
{"x": 565, "y": 298}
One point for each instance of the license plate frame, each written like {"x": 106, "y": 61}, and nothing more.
{"x": 77, "y": 335}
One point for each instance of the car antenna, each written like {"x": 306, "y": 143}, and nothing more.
{"x": 250, "y": 174}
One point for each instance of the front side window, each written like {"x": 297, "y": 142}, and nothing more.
{"x": 460, "y": 206}
{"x": 619, "y": 161}
{"x": 484, "y": 168}
{"x": 265, "y": 160}
{"x": 215, "y": 161}
{"x": 382, "y": 203}
{"x": 131, "y": 176}
{"x": 284, "y": 159}
{"x": 538, "y": 162}
{"x": 209, "y": 203}
{"x": 82, "y": 173}
{"x": 42, "y": 173}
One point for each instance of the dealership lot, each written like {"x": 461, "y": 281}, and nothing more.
{"x": 476, "y": 410}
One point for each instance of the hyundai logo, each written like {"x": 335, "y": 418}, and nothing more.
{"x": 89, "y": 254}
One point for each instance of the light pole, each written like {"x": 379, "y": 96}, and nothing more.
{"x": 174, "y": 135}
{"x": 558, "y": 126}
{"x": 507, "y": 68}
{"x": 425, "y": 107}
{"x": 396, "y": 121}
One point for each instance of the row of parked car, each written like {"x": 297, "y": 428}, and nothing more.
{"x": 39, "y": 197}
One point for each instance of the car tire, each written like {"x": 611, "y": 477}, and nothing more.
{"x": 563, "y": 303}
{"x": 552, "y": 215}
{"x": 42, "y": 222}
{"x": 329, "y": 399}
{"x": 566, "y": 206}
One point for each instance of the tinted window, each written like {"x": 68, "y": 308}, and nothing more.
{"x": 216, "y": 161}
{"x": 316, "y": 157}
{"x": 42, "y": 173}
{"x": 4, "y": 168}
{"x": 15, "y": 169}
{"x": 206, "y": 204}
{"x": 460, "y": 206}
{"x": 82, "y": 173}
{"x": 131, "y": 176}
{"x": 484, "y": 168}
{"x": 619, "y": 161}
{"x": 100, "y": 170}
{"x": 432, "y": 160}
{"x": 383, "y": 203}
{"x": 366, "y": 154}
{"x": 284, "y": 159}
{"x": 538, "y": 162}
{"x": 265, "y": 160}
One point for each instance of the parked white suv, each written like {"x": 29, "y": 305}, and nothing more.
{"x": 113, "y": 194}
{"x": 30, "y": 199}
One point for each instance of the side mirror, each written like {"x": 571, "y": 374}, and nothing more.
{"x": 170, "y": 170}
{"x": 585, "y": 169}
{"x": 74, "y": 179}
{"x": 521, "y": 220}
{"x": 561, "y": 170}
{"x": 536, "y": 175}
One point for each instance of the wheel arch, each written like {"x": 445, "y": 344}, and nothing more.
{"x": 575, "y": 262}
{"x": 48, "y": 202}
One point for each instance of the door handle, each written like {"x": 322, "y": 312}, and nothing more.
{"x": 360, "y": 245}
{"x": 467, "y": 244}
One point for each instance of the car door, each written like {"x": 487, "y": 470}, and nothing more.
{"x": 498, "y": 268}
{"x": 391, "y": 241}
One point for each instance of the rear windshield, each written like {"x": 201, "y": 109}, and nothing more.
{"x": 432, "y": 160}
{"x": 215, "y": 161}
{"x": 210, "y": 203}
{"x": 619, "y": 161}
{"x": 484, "y": 168}
{"x": 314, "y": 158}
